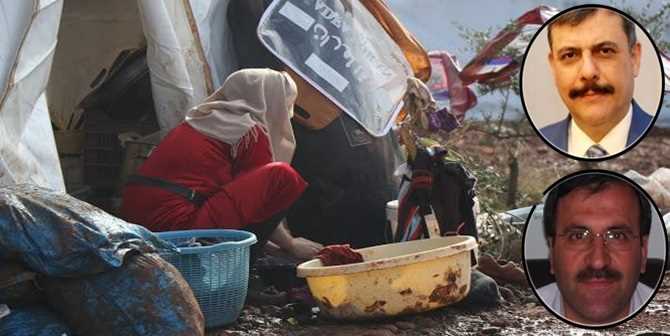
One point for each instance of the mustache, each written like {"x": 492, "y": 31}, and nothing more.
{"x": 604, "y": 273}
{"x": 591, "y": 86}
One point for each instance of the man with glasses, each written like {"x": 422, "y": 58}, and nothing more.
{"x": 597, "y": 228}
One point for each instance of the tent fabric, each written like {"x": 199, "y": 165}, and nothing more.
{"x": 215, "y": 36}
{"x": 411, "y": 47}
{"x": 447, "y": 87}
{"x": 27, "y": 147}
{"x": 491, "y": 64}
{"x": 187, "y": 52}
{"x": 14, "y": 25}
{"x": 180, "y": 34}
{"x": 177, "y": 72}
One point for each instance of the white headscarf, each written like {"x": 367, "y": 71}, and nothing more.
{"x": 247, "y": 98}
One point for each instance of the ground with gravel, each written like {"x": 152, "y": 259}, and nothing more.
{"x": 520, "y": 313}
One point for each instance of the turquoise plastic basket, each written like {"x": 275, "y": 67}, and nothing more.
{"x": 218, "y": 274}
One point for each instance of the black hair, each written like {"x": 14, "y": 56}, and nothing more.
{"x": 594, "y": 182}
{"x": 577, "y": 16}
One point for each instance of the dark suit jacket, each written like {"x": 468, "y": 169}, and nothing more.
{"x": 557, "y": 133}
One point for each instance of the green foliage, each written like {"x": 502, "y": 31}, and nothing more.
{"x": 656, "y": 21}
{"x": 497, "y": 125}
{"x": 490, "y": 184}
{"x": 475, "y": 42}
{"x": 497, "y": 235}
{"x": 654, "y": 17}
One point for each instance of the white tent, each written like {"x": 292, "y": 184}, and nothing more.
{"x": 187, "y": 52}
{"x": 27, "y": 148}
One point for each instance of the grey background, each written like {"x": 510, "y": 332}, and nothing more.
{"x": 535, "y": 246}
{"x": 541, "y": 96}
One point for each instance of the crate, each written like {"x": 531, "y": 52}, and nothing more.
{"x": 69, "y": 142}
{"x": 136, "y": 152}
{"x": 97, "y": 121}
{"x": 218, "y": 274}
{"x": 102, "y": 140}
{"x": 103, "y": 154}
{"x": 72, "y": 167}
{"x": 101, "y": 176}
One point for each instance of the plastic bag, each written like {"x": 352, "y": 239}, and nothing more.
{"x": 343, "y": 51}
{"x": 452, "y": 96}
{"x": 145, "y": 297}
{"x": 657, "y": 185}
{"x": 17, "y": 285}
{"x": 56, "y": 234}
{"x": 494, "y": 63}
{"x": 4, "y": 310}
{"x": 33, "y": 321}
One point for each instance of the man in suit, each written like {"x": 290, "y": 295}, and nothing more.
{"x": 594, "y": 57}
{"x": 597, "y": 228}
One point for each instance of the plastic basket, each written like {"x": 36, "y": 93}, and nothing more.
{"x": 218, "y": 274}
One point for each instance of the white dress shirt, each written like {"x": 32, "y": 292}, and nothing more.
{"x": 551, "y": 296}
{"x": 613, "y": 142}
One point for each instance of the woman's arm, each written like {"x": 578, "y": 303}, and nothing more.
{"x": 296, "y": 246}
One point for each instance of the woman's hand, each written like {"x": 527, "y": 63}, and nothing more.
{"x": 304, "y": 249}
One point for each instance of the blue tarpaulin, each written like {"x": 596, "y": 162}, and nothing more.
{"x": 56, "y": 234}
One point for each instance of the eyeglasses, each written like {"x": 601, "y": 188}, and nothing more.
{"x": 614, "y": 239}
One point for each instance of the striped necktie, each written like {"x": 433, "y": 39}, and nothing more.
{"x": 595, "y": 151}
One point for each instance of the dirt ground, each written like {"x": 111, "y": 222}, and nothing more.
{"x": 520, "y": 313}
{"x": 540, "y": 165}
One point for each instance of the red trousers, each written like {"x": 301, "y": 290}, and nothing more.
{"x": 245, "y": 190}
{"x": 251, "y": 198}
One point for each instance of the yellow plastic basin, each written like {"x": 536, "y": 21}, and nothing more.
{"x": 400, "y": 278}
